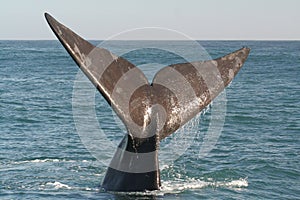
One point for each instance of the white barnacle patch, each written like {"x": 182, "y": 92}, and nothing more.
{"x": 147, "y": 117}
{"x": 202, "y": 99}
{"x": 59, "y": 31}
{"x": 77, "y": 51}
{"x": 231, "y": 74}
{"x": 87, "y": 61}
{"x": 224, "y": 58}
{"x": 231, "y": 56}
{"x": 114, "y": 57}
{"x": 119, "y": 90}
{"x": 81, "y": 56}
{"x": 125, "y": 77}
{"x": 172, "y": 102}
{"x": 214, "y": 62}
{"x": 238, "y": 61}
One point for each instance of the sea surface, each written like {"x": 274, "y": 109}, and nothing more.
{"x": 255, "y": 153}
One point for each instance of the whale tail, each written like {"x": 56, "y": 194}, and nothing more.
{"x": 150, "y": 112}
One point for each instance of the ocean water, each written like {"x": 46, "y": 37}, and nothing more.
{"x": 256, "y": 155}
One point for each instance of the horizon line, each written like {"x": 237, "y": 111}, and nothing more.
{"x": 17, "y": 39}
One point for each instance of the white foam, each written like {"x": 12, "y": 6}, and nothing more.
{"x": 36, "y": 161}
{"x": 46, "y": 160}
{"x": 58, "y": 185}
{"x": 192, "y": 184}
{"x": 179, "y": 186}
{"x": 156, "y": 193}
{"x": 170, "y": 187}
{"x": 163, "y": 167}
{"x": 241, "y": 183}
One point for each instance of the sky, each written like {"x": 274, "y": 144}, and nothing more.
{"x": 199, "y": 19}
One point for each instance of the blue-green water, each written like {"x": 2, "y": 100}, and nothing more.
{"x": 257, "y": 156}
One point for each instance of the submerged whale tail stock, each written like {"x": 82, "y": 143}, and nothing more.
{"x": 150, "y": 112}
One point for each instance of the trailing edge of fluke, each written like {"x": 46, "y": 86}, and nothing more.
{"x": 150, "y": 112}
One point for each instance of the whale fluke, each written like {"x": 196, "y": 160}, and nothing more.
{"x": 150, "y": 111}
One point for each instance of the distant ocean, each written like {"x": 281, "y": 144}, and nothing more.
{"x": 257, "y": 155}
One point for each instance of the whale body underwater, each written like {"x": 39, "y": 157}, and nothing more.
{"x": 149, "y": 111}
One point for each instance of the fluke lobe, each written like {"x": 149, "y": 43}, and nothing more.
{"x": 150, "y": 112}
